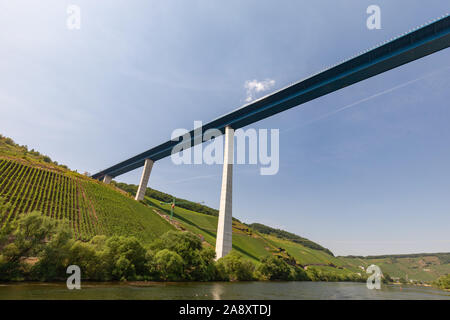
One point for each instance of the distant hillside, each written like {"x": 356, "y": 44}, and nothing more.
{"x": 288, "y": 236}
{"x": 421, "y": 266}
{"x": 443, "y": 256}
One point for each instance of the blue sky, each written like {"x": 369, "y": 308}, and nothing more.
{"x": 364, "y": 170}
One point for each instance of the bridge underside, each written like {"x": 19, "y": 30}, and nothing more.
{"x": 407, "y": 48}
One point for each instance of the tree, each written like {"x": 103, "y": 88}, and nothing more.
{"x": 89, "y": 257}
{"x": 170, "y": 265}
{"x": 274, "y": 268}
{"x": 204, "y": 268}
{"x": 198, "y": 262}
{"x": 184, "y": 243}
{"x": 125, "y": 257}
{"x": 47, "y": 159}
{"x": 55, "y": 255}
{"x": 233, "y": 267}
{"x": 298, "y": 274}
{"x": 26, "y": 238}
{"x": 9, "y": 141}
{"x": 443, "y": 282}
{"x": 152, "y": 266}
{"x": 314, "y": 274}
{"x": 387, "y": 278}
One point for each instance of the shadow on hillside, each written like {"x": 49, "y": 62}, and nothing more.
{"x": 187, "y": 221}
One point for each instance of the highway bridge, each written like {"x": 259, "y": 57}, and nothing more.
{"x": 410, "y": 46}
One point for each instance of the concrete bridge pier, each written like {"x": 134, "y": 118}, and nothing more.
{"x": 144, "y": 179}
{"x": 224, "y": 228}
{"x": 107, "y": 179}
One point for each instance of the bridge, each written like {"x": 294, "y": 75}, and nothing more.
{"x": 410, "y": 46}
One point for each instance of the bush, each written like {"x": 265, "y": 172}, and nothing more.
{"x": 9, "y": 141}
{"x": 25, "y": 238}
{"x": 277, "y": 268}
{"x": 47, "y": 159}
{"x": 170, "y": 265}
{"x": 91, "y": 261}
{"x": 298, "y": 274}
{"x": 443, "y": 282}
{"x": 315, "y": 274}
{"x": 125, "y": 258}
{"x": 198, "y": 262}
{"x": 387, "y": 278}
{"x": 205, "y": 269}
{"x": 54, "y": 257}
{"x": 233, "y": 267}
{"x": 173, "y": 257}
{"x": 274, "y": 268}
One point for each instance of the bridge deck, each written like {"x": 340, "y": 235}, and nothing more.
{"x": 406, "y": 48}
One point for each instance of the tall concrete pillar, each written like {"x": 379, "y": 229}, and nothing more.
{"x": 144, "y": 179}
{"x": 224, "y": 228}
{"x": 107, "y": 179}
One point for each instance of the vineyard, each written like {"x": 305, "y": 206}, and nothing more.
{"x": 93, "y": 208}
{"x": 90, "y": 207}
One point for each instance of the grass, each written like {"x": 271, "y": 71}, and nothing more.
{"x": 304, "y": 255}
{"x": 251, "y": 246}
{"x": 246, "y": 241}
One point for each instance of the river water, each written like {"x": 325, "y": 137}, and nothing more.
{"x": 217, "y": 290}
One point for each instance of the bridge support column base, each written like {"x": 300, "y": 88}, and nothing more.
{"x": 107, "y": 179}
{"x": 144, "y": 179}
{"x": 224, "y": 228}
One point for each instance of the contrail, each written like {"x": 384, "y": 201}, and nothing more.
{"x": 367, "y": 99}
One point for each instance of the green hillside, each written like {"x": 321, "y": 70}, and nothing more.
{"x": 245, "y": 242}
{"x": 288, "y": 236}
{"x": 91, "y": 207}
{"x": 165, "y": 197}
{"x": 254, "y": 245}
{"x": 31, "y": 181}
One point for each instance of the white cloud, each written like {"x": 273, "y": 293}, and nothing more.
{"x": 255, "y": 86}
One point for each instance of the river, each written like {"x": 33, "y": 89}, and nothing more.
{"x": 217, "y": 290}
